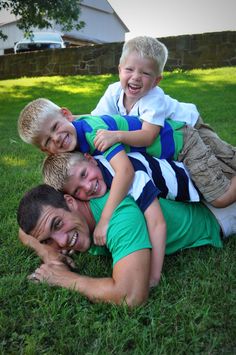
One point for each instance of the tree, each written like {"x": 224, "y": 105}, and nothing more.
{"x": 43, "y": 14}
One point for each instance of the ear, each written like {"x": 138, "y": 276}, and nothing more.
{"x": 67, "y": 114}
{"x": 157, "y": 80}
{"x": 71, "y": 202}
{"x": 119, "y": 68}
{"x": 90, "y": 158}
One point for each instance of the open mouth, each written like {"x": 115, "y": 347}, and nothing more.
{"x": 93, "y": 190}
{"x": 134, "y": 88}
{"x": 65, "y": 142}
{"x": 73, "y": 239}
{"x": 95, "y": 187}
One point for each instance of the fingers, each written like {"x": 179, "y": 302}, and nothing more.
{"x": 101, "y": 240}
{"x": 103, "y": 140}
{"x": 67, "y": 252}
{"x": 70, "y": 262}
{"x": 33, "y": 277}
{"x": 100, "y": 232}
{"x": 99, "y": 144}
{"x": 45, "y": 271}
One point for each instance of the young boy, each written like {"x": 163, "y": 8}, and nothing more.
{"x": 54, "y": 130}
{"x": 86, "y": 178}
{"x": 140, "y": 70}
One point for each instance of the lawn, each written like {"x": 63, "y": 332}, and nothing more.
{"x": 193, "y": 309}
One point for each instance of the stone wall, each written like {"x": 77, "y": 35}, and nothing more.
{"x": 207, "y": 50}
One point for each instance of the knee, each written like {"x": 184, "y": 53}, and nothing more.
{"x": 220, "y": 203}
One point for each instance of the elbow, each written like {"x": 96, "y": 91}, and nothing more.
{"x": 135, "y": 298}
{"x": 135, "y": 302}
{"x": 150, "y": 138}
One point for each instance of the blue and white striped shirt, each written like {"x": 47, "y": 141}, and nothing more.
{"x": 154, "y": 178}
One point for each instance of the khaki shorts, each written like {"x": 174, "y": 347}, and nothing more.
{"x": 203, "y": 166}
{"x": 223, "y": 151}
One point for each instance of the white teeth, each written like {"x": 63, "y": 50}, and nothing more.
{"x": 73, "y": 239}
{"x": 64, "y": 141}
{"x": 132, "y": 86}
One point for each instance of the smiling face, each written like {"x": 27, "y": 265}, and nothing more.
{"x": 65, "y": 228}
{"x": 85, "y": 181}
{"x": 57, "y": 134}
{"x": 137, "y": 76}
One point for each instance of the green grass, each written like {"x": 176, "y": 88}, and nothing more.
{"x": 191, "y": 312}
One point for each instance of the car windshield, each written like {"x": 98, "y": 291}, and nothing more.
{"x": 44, "y": 37}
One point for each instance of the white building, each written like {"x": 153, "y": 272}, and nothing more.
{"x": 102, "y": 25}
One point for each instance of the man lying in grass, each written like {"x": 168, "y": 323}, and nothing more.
{"x": 60, "y": 222}
{"x": 85, "y": 177}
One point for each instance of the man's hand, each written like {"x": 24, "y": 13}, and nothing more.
{"x": 47, "y": 253}
{"x": 105, "y": 139}
{"x": 52, "y": 273}
{"x": 129, "y": 281}
{"x": 100, "y": 232}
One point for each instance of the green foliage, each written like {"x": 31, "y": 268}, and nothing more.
{"x": 42, "y": 14}
{"x": 192, "y": 311}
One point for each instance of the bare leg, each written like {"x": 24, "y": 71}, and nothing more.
{"x": 228, "y": 197}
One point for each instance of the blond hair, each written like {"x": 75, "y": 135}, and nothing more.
{"x": 32, "y": 118}
{"x": 146, "y": 47}
{"x": 56, "y": 168}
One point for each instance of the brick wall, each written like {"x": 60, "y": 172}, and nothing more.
{"x": 207, "y": 50}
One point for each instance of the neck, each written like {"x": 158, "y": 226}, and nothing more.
{"x": 128, "y": 103}
{"x": 85, "y": 210}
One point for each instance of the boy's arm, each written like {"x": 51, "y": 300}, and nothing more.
{"x": 121, "y": 182}
{"x": 140, "y": 138}
{"x": 157, "y": 232}
{"x": 129, "y": 281}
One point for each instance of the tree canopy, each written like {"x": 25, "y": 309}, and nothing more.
{"x": 43, "y": 14}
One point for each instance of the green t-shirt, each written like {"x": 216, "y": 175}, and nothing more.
{"x": 189, "y": 225}
{"x": 124, "y": 235}
{"x": 167, "y": 145}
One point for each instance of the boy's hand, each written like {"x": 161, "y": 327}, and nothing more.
{"x": 154, "y": 280}
{"x": 105, "y": 139}
{"x": 100, "y": 232}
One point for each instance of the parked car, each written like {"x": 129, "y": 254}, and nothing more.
{"x": 40, "y": 41}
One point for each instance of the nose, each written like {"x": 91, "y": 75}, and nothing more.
{"x": 87, "y": 187}
{"x": 60, "y": 238}
{"x": 55, "y": 137}
{"x": 136, "y": 75}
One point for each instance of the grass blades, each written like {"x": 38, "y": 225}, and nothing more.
{"x": 193, "y": 309}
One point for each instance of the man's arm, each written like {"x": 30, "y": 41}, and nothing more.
{"x": 157, "y": 232}
{"x": 129, "y": 281}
